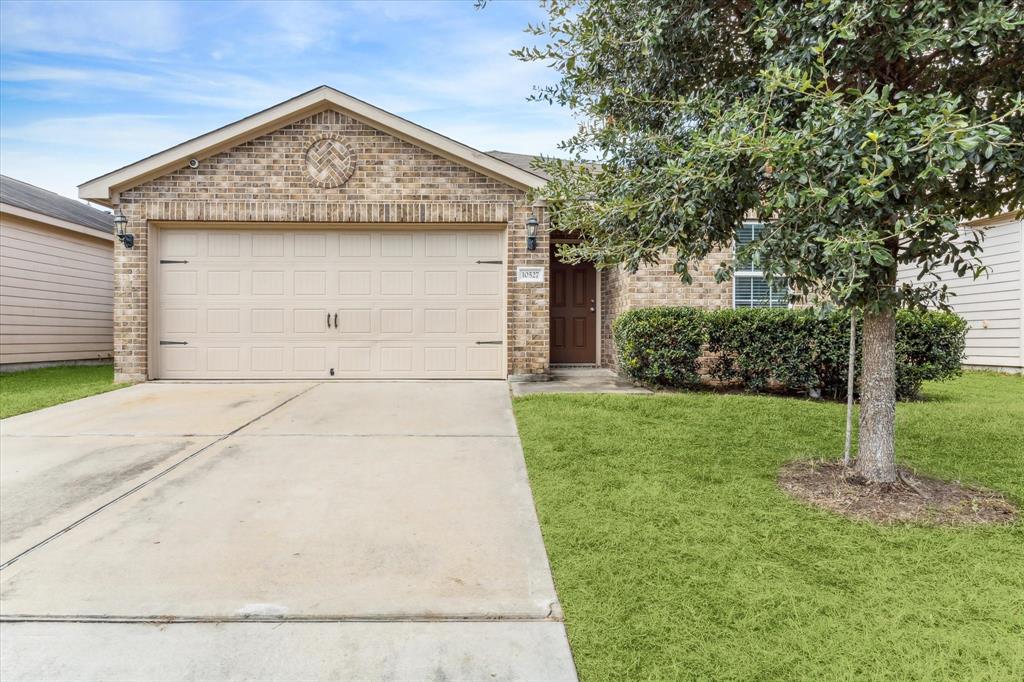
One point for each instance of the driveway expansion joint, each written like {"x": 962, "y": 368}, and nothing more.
{"x": 149, "y": 480}
{"x": 368, "y": 618}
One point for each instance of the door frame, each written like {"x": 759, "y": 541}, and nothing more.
{"x": 557, "y": 239}
{"x": 154, "y": 227}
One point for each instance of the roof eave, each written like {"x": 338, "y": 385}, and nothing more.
{"x": 53, "y": 221}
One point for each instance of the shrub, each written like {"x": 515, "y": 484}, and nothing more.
{"x": 762, "y": 349}
{"x": 929, "y": 347}
{"x": 759, "y": 348}
{"x": 660, "y": 346}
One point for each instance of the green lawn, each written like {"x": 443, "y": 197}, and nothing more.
{"x": 676, "y": 557}
{"x": 35, "y": 389}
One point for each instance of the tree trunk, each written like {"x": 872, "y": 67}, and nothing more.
{"x": 851, "y": 363}
{"x": 876, "y": 461}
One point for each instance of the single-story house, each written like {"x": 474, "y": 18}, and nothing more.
{"x": 324, "y": 237}
{"x": 993, "y": 304}
{"x": 56, "y": 279}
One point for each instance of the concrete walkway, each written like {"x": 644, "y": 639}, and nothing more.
{"x": 578, "y": 380}
{"x": 356, "y": 530}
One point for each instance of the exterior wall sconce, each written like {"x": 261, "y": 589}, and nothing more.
{"x": 531, "y": 233}
{"x": 120, "y": 223}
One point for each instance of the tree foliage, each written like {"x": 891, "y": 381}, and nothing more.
{"x": 862, "y": 134}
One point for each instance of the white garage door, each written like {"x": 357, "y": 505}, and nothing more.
{"x": 238, "y": 304}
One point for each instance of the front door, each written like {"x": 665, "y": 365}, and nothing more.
{"x": 573, "y": 313}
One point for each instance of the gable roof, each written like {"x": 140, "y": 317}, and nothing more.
{"x": 38, "y": 200}
{"x": 103, "y": 188}
{"x": 524, "y": 161}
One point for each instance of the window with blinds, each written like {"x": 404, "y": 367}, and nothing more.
{"x": 750, "y": 287}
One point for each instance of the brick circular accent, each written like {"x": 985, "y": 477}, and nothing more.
{"x": 330, "y": 162}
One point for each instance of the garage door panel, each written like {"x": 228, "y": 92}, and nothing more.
{"x": 483, "y": 282}
{"x": 441, "y": 283}
{"x": 441, "y": 321}
{"x": 180, "y": 283}
{"x": 355, "y": 359}
{"x": 483, "y": 359}
{"x": 267, "y": 245}
{"x": 397, "y": 359}
{"x": 223, "y": 283}
{"x": 179, "y": 244}
{"x": 355, "y": 245}
{"x": 483, "y": 321}
{"x": 223, "y": 245}
{"x": 396, "y": 283}
{"x": 179, "y": 358}
{"x": 179, "y": 320}
{"x": 310, "y": 359}
{"x": 396, "y": 245}
{"x": 483, "y": 245}
{"x": 282, "y": 304}
{"x": 355, "y": 283}
{"x": 310, "y": 282}
{"x": 223, "y": 359}
{"x": 310, "y": 321}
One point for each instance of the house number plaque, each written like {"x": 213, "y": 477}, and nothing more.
{"x": 533, "y": 275}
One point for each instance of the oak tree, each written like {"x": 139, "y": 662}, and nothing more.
{"x": 861, "y": 134}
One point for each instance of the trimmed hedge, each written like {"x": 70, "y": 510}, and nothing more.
{"x": 661, "y": 346}
{"x": 761, "y": 349}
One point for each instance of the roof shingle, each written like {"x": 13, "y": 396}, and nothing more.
{"x": 32, "y": 198}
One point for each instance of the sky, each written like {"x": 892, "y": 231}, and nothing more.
{"x": 88, "y": 87}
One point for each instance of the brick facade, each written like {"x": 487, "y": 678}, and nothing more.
{"x": 332, "y": 169}
{"x": 658, "y": 286}
{"x": 266, "y": 180}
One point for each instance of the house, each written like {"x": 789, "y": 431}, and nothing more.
{"x": 993, "y": 304}
{"x": 324, "y": 237}
{"x": 56, "y": 279}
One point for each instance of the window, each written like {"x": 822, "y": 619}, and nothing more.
{"x": 750, "y": 288}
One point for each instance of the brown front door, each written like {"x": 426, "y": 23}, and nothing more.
{"x": 573, "y": 313}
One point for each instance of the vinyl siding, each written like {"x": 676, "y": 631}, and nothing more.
{"x": 56, "y": 293}
{"x": 993, "y": 305}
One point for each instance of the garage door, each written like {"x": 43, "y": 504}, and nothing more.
{"x": 262, "y": 303}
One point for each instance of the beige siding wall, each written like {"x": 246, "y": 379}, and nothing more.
{"x": 56, "y": 293}
{"x": 993, "y": 305}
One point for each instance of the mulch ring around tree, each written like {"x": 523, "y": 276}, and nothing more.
{"x": 913, "y": 499}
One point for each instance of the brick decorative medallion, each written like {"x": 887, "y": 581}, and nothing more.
{"x": 330, "y": 162}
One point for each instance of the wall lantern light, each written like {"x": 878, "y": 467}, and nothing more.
{"x": 120, "y": 223}
{"x": 531, "y": 233}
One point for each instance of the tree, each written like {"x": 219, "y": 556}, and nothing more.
{"x": 861, "y": 134}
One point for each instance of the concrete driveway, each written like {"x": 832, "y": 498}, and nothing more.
{"x": 357, "y": 530}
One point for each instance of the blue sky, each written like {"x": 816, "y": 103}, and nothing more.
{"x": 87, "y": 87}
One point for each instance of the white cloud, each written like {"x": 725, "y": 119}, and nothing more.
{"x": 115, "y": 133}
{"x": 299, "y": 25}
{"x": 88, "y": 88}
{"x": 534, "y": 136}
{"x": 90, "y": 28}
{"x": 59, "y": 172}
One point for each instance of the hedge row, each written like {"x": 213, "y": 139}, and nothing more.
{"x": 762, "y": 349}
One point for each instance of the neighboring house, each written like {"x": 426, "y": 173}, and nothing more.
{"x": 324, "y": 237}
{"x": 56, "y": 279}
{"x": 993, "y": 304}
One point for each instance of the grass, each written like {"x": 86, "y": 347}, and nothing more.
{"x": 676, "y": 557}
{"x": 34, "y": 389}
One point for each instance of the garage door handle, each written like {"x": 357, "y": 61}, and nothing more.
{"x": 335, "y": 320}
{"x": 489, "y": 343}
{"x": 165, "y": 262}
{"x": 489, "y": 262}
{"x": 328, "y": 320}
{"x": 174, "y": 343}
